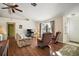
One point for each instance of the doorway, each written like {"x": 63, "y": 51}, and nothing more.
{"x": 11, "y": 29}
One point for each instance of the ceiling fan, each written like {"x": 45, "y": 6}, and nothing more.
{"x": 12, "y": 7}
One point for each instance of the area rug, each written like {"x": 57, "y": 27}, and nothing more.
{"x": 69, "y": 50}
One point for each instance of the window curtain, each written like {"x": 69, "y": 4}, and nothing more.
{"x": 52, "y": 25}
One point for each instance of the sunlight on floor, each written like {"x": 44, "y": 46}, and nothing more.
{"x": 58, "y": 53}
{"x": 71, "y": 43}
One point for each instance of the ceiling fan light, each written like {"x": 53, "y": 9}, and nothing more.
{"x": 16, "y": 6}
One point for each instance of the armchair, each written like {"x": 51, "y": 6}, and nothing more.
{"x": 56, "y": 37}
{"x": 46, "y": 38}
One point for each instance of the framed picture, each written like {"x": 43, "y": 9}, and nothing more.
{"x": 20, "y": 26}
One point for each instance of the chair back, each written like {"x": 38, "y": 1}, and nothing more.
{"x": 47, "y": 37}
{"x": 57, "y": 36}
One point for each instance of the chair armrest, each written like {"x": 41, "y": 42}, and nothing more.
{"x": 53, "y": 37}
{"x": 39, "y": 40}
{"x": 20, "y": 40}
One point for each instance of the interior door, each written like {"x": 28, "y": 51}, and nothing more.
{"x": 11, "y": 29}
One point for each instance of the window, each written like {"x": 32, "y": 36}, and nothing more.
{"x": 0, "y": 37}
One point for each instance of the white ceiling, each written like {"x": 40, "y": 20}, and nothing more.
{"x": 41, "y": 12}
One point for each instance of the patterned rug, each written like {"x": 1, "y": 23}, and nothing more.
{"x": 69, "y": 50}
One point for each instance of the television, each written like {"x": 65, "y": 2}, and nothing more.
{"x": 29, "y": 32}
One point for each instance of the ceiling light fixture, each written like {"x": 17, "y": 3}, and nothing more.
{"x": 33, "y": 4}
{"x": 27, "y": 19}
{"x": 73, "y": 14}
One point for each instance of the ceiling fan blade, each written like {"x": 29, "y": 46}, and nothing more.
{"x": 5, "y": 7}
{"x": 13, "y": 10}
{"x": 18, "y": 10}
{"x": 6, "y": 4}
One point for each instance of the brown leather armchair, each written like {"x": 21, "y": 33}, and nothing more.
{"x": 56, "y": 37}
{"x": 46, "y": 38}
{"x": 52, "y": 44}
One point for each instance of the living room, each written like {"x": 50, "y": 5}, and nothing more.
{"x": 27, "y": 28}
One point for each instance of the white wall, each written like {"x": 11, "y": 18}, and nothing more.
{"x": 59, "y": 27}
{"x": 26, "y": 24}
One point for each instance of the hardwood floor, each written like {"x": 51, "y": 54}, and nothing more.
{"x": 14, "y": 50}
